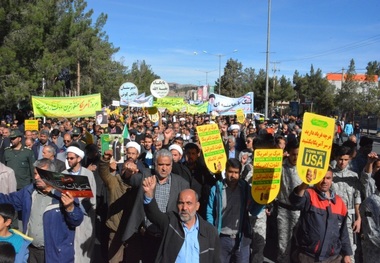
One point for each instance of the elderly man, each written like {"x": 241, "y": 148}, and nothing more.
{"x": 167, "y": 190}
{"x": 48, "y": 152}
{"x": 186, "y": 236}
{"x": 84, "y": 237}
{"x": 48, "y": 216}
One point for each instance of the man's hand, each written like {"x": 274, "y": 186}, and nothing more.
{"x": 67, "y": 201}
{"x": 168, "y": 133}
{"x": 107, "y": 155}
{"x": 356, "y": 225}
{"x": 346, "y": 259}
{"x": 148, "y": 185}
{"x": 129, "y": 169}
{"x": 309, "y": 175}
{"x": 372, "y": 157}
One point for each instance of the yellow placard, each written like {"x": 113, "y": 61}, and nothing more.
{"x": 212, "y": 147}
{"x": 31, "y": 125}
{"x": 240, "y": 115}
{"x": 315, "y": 146}
{"x": 69, "y": 107}
{"x": 266, "y": 175}
{"x": 153, "y": 114}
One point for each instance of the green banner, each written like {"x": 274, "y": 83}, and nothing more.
{"x": 178, "y": 104}
{"x": 170, "y": 103}
{"x": 200, "y": 108}
{"x": 70, "y": 107}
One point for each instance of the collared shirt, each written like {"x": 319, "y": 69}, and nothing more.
{"x": 162, "y": 197}
{"x": 189, "y": 252}
{"x": 35, "y": 224}
{"x": 162, "y": 194}
{"x": 231, "y": 154}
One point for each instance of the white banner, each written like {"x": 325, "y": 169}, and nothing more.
{"x": 141, "y": 101}
{"x": 222, "y": 105}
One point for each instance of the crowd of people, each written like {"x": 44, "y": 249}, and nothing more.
{"x": 162, "y": 204}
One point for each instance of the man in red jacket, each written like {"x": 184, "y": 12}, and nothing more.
{"x": 322, "y": 235}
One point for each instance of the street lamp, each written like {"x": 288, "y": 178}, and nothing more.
{"x": 206, "y": 74}
{"x": 220, "y": 62}
{"x": 267, "y": 61}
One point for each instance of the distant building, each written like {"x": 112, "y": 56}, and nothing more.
{"x": 337, "y": 79}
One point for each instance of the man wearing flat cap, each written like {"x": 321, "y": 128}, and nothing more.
{"x": 84, "y": 234}
{"x": 20, "y": 159}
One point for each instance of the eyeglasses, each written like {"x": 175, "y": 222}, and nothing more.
{"x": 70, "y": 158}
{"x": 13, "y": 138}
{"x": 66, "y": 141}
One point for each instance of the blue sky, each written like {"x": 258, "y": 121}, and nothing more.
{"x": 325, "y": 33}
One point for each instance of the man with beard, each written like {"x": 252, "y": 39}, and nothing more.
{"x": 20, "y": 159}
{"x": 48, "y": 216}
{"x": 43, "y": 139}
{"x": 84, "y": 237}
{"x": 229, "y": 203}
{"x": 112, "y": 127}
{"x": 201, "y": 178}
{"x": 186, "y": 236}
{"x": 167, "y": 190}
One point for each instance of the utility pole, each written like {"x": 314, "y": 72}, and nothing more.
{"x": 267, "y": 62}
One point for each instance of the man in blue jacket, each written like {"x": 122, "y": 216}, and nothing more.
{"x": 229, "y": 203}
{"x": 48, "y": 216}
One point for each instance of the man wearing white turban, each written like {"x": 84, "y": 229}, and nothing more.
{"x": 84, "y": 234}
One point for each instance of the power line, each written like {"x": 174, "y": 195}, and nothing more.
{"x": 363, "y": 43}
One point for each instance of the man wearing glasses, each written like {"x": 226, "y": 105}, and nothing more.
{"x": 84, "y": 234}
{"x": 20, "y": 159}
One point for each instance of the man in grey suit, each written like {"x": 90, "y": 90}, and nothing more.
{"x": 140, "y": 233}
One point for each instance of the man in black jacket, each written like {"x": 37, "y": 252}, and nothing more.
{"x": 186, "y": 236}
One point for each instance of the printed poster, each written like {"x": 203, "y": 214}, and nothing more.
{"x": 31, "y": 125}
{"x": 315, "y": 146}
{"x": 76, "y": 185}
{"x": 114, "y": 142}
{"x": 240, "y": 115}
{"x": 266, "y": 175}
{"x": 212, "y": 147}
{"x": 101, "y": 118}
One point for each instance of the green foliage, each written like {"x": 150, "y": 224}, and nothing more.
{"x": 142, "y": 76}
{"x": 39, "y": 38}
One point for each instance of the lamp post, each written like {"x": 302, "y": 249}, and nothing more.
{"x": 267, "y": 61}
{"x": 220, "y": 62}
{"x": 206, "y": 74}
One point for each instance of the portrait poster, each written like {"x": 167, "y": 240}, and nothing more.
{"x": 267, "y": 166}
{"x": 101, "y": 118}
{"x": 315, "y": 146}
{"x": 114, "y": 142}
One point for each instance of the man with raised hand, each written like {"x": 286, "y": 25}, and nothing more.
{"x": 186, "y": 236}
{"x": 322, "y": 235}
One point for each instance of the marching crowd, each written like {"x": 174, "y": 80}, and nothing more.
{"x": 155, "y": 200}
